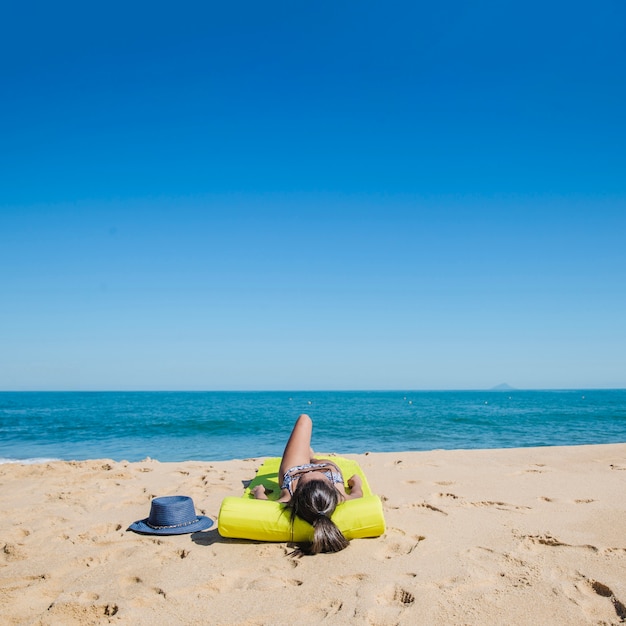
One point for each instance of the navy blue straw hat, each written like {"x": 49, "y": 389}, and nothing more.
{"x": 172, "y": 515}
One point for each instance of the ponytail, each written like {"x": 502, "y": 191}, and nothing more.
{"x": 326, "y": 536}
{"x": 314, "y": 502}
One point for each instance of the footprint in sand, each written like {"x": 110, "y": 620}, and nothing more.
{"x": 503, "y": 506}
{"x": 86, "y": 596}
{"x": 13, "y": 552}
{"x": 577, "y": 501}
{"x": 234, "y": 579}
{"x": 548, "y": 540}
{"x": 131, "y": 580}
{"x": 271, "y": 583}
{"x": 91, "y": 561}
{"x": 604, "y": 591}
{"x": 71, "y": 611}
{"x": 426, "y": 505}
{"x": 536, "y": 468}
{"x": 350, "y": 580}
{"x": 324, "y": 610}
{"x": 397, "y": 596}
{"x": 509, "y": 570}
{"x": 99, "y": 533}
{"x": 397, "y": 543}
{"x": 452, "y": 496}
{"x": 590, "y": 595}
{"x": 391, "y": 607}
{"x": 331, "y": 607}
{"x": 21, "y": 583}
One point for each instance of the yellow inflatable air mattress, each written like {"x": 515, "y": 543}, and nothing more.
{"x": 268, "y": 520}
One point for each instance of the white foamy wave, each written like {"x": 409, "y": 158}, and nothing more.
{"x": 33, "y": 461}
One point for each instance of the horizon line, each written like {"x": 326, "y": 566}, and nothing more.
{"x": 497, "y": 388}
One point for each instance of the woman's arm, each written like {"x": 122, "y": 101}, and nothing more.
{"x": 260, "y": 494}
{"x": 356, "y": 490}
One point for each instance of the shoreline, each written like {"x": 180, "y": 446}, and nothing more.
{"x": 474, "y": 536}
{"x": 45, "y": 460}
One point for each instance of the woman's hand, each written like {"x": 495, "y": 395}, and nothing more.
{"x": 259, "y": 492}
{"x": 354, "y": 480}
{"x": 355, "y": 484}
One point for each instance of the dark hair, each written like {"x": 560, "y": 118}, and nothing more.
{"x": 314, "y": 502}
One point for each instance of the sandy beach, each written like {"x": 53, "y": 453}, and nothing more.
{"x": 517, "y": 536}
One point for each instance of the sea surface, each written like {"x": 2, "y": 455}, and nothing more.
{"x": 179, "y": 426}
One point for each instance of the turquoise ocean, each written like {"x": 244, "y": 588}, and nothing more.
{"x": 179, "y": 426}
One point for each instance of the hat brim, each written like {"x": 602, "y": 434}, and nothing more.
{"x": 143, "y": 528}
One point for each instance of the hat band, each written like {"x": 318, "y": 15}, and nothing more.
{"x": 193, "y": 521}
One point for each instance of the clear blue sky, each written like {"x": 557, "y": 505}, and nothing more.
{"x": 329, "y": 195}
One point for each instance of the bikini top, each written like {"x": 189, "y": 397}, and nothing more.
{"x": 334, "y": 476}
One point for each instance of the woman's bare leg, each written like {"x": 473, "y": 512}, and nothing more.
{"x": 298, "y": 448}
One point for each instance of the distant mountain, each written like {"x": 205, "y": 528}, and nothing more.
{"x": 503, "y": 387}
